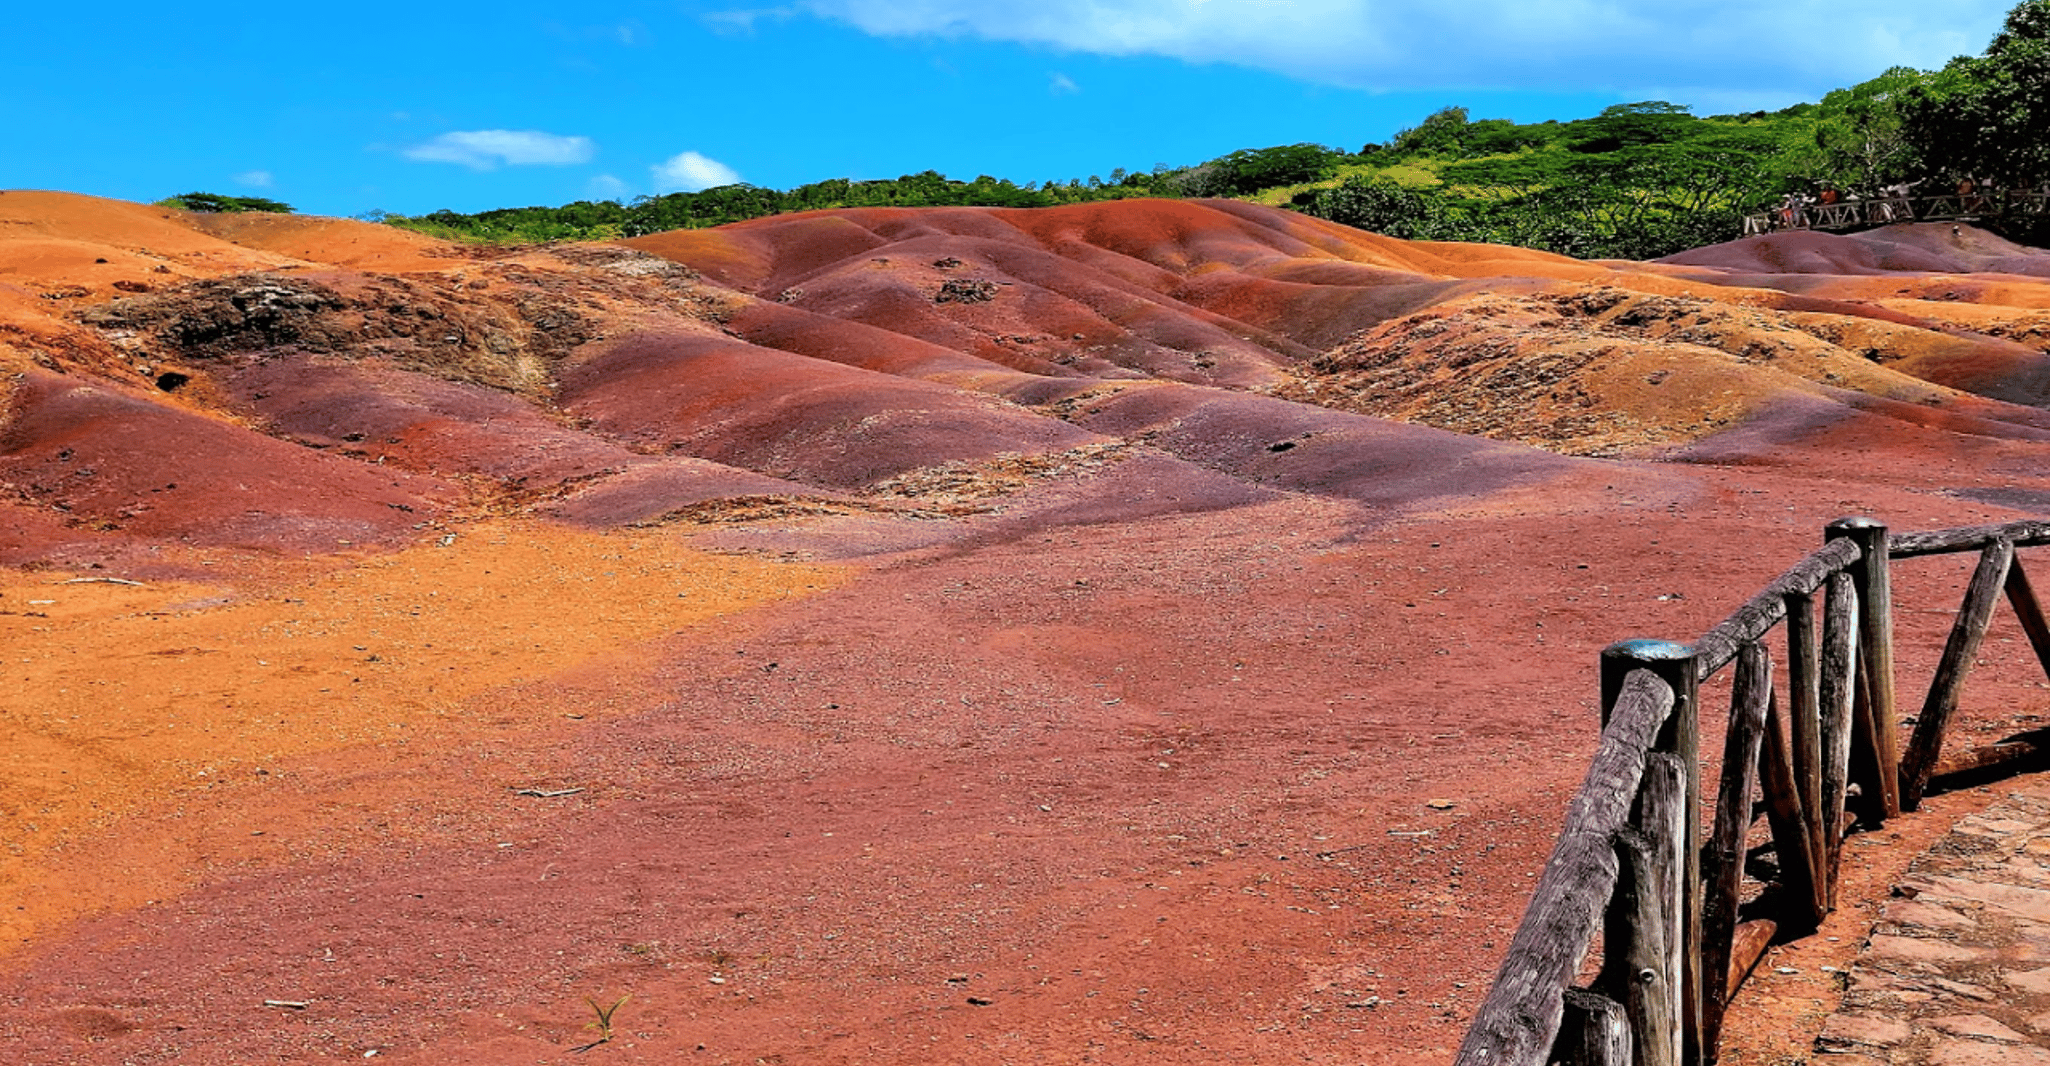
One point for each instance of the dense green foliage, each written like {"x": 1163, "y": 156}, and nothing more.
{"x": 1250, "y": 170}
{"x": 610, "y": 220}
{"x": 1636, "y": 181}
{"x": 1988, "y": 117}
{"x": 212, "y": 203}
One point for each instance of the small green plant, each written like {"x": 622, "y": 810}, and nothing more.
{"x": 604, "y": 1022}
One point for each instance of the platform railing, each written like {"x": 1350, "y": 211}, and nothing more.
{"x": 1883, "y": 211}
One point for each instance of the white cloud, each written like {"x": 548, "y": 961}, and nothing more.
{"x": 487, "y": 149}
{"x": 605, "y": 187}
{"x": 255, "y": 179}
{"x": 690, "y": 172}
{"x": 742, "y": 21}
{"x": 1061, "y": 85}
{"x": 1768, "y": 47}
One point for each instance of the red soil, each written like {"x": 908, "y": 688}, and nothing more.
{"x": 110, "y": 459}
{"x": 1162, "y": 702}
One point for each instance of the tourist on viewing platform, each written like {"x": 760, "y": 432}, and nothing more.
{"x": 1894, "y": 205}
{"x": 1790, "y": 212}
{"x": 1971, "y": 196}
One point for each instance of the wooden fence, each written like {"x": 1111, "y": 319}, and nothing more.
{"x": 1857, "y": 214}
{"x": 1630, "y": 864}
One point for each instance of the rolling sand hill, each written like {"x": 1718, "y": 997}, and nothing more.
{"x": 1134, "y": 632}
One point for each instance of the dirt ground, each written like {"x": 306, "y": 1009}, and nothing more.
{"x": 1232, "y": 729}
{"x": 1200, "y": 789}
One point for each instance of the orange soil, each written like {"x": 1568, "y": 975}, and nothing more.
{"x": 126, "y": 697}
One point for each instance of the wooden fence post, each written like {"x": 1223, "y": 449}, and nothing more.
{"x": 1641, "y": 943}
{"x": 1751, "y": 695}
{"x": 2030, "y": 611}
{"x": 1518, "y": 1022}
{"x": 1880, "y": 768}
{"x": 1804, "y": 714}
{"x": 1839, "y": 688}
{"x": 1791, "y": 835}
{"x": 1595, "y": 1032}
{"x": 1973, "y": 616}
{"x": 1677, "y": 666}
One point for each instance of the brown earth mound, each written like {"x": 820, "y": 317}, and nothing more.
{"x": 1918, "y": 248}
{"x": 418, "y": 648}
{"x": 1605, "y": 371}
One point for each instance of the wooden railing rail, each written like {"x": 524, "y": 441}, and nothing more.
{"x": 1881, "y": 211}
{"x": 1523, "y": 1015}
{"x": 1970, "y": 538}
{"x": 1719, "y": 646}
{"x": 1677, "y": 936}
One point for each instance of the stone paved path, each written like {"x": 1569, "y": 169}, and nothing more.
{"x": 1958, "y": 969}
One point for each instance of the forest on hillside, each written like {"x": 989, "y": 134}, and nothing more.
{"x": 1637, "y": 181}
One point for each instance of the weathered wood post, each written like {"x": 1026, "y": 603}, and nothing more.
{"x": 1839, "y": 688}
{"x": 1750, "y": 697}
{"x": 1641, "y": 937}
{"x": 1677, "y": 666}
{"x": 2029, "y": 610}
{"x": 1878, "y": 718}
{"x": 1595, "y": 1032}
{"x": 1959, "y": 652}
{"x": 1804, "y": 714}
{"x": 1519, "y": 1020}
{"x": 1792, "y": 835}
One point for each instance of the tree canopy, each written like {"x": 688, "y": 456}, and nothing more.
{"x": 211, "y": 203}
{"x": 1638, "y": 180}
{"x": 1989, "y": 115}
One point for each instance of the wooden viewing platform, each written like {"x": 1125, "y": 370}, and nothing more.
{"x": 1860, "y": 214}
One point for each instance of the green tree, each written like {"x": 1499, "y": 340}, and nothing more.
{"x": 1382, "y": 206}
{"x": 1861, "y": 136}
{"x": 1442, "y": 132}
{"x": 1989, "y": 115}
{"x": 212, "y": 203}
{"x": 1631, "y": 126}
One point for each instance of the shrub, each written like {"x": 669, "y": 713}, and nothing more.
{"x": 215, "y": 203}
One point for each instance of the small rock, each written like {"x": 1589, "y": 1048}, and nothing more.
{"x": 1959, "y": 988}
{"x": 966, "y": 291}
{"x": 1974, "y": 1053}
{"x": 1866, "y": 1030}
{"x": 1918, "y": 949}
{"x": 1927, "y": 915}
{"x": 1977, "y": 1025}
{"x": 2036, "y": 981}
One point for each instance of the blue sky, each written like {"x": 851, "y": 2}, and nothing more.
{"x": 414, "y": 107}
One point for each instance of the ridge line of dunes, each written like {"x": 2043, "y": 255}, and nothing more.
{"x": 819, "y": 355}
